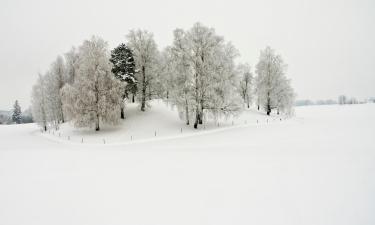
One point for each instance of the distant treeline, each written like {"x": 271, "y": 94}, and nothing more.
{"x": 341, "y": 100}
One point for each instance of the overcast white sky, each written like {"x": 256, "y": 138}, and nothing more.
{"x": 329, "y": 45}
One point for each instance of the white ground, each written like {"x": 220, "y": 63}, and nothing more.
{"x": 318, "y": 168}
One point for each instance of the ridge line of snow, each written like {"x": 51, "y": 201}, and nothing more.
{"x": 172, "y": 137}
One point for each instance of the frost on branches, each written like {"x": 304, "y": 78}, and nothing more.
{"x": 245, "y": 83}
{"x": 38, "y": 103}
{"x": 205, "y": 74}
{"x": 95, "y": 95}
{"x": 272, "y": 87}
{"x": 145, "y": 52}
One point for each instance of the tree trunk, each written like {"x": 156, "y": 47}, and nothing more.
{"x": 143, "y": 98}
{"x": 187, "y": 112}
{"x": 122, "y": 113}
{"x": 278, "y": 112}
{"x": 201, "y": 113}
{"x": 45, "y": 128}
{"x": 248, "y": 104}
{"x": 268, "y": 109}
{"x": 97, "y": 128}
{"x": 196, "y": 118}
{"x": 62, "y": 114}
{"x": 133, "y": 98}
{"x": 258, "y": 107}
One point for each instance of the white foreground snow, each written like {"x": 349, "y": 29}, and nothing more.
{"x": 318, "y": 168}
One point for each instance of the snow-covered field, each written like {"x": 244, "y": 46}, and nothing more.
{"x": 317, "y": 168}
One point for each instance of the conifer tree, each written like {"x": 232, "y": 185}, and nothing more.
{"x": 17, "y": 114}
{"x": 124, "y": 69}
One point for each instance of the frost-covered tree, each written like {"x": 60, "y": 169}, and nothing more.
{"x": 95, "y": 96}
{"x": 71, "y": 59}
{"x": 205, "y": 64}
{"x": 181, "y": 88}
{"x": 16, "y": 113}
{"x": 54, "y": 81}
{"x": 285, "y": 97}
{"x": 273, "y": 89}
{"x": 38, "y": 106}
{"x": 246, "y": 80}
{"x": 270, "y": 70}
{"x": 145, "y": 52}
{"x": 163, "y": 82}
{"x": 124, "y": 69}
{"x": 52, "y": 100}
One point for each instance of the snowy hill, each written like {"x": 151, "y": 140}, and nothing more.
{"x": 161, "y": 119}
{"x": 317, "y": 168}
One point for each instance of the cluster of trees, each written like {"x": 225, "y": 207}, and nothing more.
{"x": 197, "y": 74}
{"x": 342, "y": 100}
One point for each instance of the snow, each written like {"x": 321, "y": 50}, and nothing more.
{"x": 317, "y": 168}
{"x": 161, "y": 118}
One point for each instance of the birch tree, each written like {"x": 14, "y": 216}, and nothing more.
{"x": 273, "y": 89}
{"x": 142, "y": 43}
{"x": 246, "y": 80}
{"x": 54, "y": 81}
{"x": 95, "y": 95}
{"x": 71, "y": 59}
{"x": 38, "y": 103}
{"x": 207, "y": 73}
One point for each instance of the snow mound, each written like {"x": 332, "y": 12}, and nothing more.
{"x": 161, "y": 121}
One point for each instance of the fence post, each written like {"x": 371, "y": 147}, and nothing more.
{"x": 82, "y": 140}
{"x": 103, "y": 140}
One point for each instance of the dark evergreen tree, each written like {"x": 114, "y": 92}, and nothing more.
{"x": 17, "y": 115}
{"x": 124, "y": 69}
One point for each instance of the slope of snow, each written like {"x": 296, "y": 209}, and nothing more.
{"x": 317, "y": 168}
{"x": 161, "y": 121}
